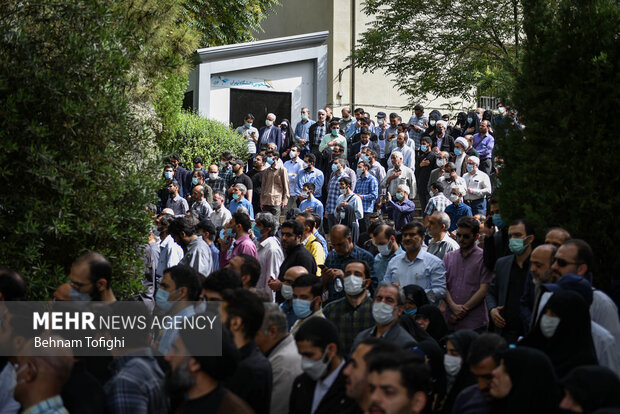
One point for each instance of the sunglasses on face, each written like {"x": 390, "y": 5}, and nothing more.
{"x": 463, "y": 236}
{"x": 563, "y": 263}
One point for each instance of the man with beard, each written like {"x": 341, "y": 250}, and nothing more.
{"x": 198, "y": 255}
{"x": 242, "y": 314}
{"x": 541, "y": 260}
{"x": 295, "y": 252}
{"x": 484, "y": 356}
{"x": 195, "y": 381}
{"x": 91, "y": 279}
{"x": 177, "y": 203}
{"x": 170, "y": 253}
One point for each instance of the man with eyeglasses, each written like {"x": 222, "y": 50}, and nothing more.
{"x": 467, "y": 280}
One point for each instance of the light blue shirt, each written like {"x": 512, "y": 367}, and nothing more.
{"x": 243, "y": 202}
{"x": 314, "y": 204}
{"x": 170, "y": 335}
{"x": 408, "y": 157}
{"x": 293, "y": 168}
{"x": 302, "y": 129}
{"x": 315, "y": 177}
{"x": 355, "y": 202}
{"x": 381, "y": 263}
{"x": 426, "y": 271}
{"x": 170, "y": 254}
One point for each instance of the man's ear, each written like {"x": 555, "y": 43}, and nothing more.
{"x": 101, "y": 285}
{"x": 236, "y": 324}
{"x": 418, "y": 402}
{"x": 193, "y": 365}
{"x": 332, "y": 350}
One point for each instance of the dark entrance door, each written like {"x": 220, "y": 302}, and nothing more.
{"x": 259, "y": 104}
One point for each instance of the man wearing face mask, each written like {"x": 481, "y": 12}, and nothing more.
{"x": 226, "y": 172}
{"x": 346, "y": 119}
{"x": 175, "y": 202}
{"x": 237, "y": 228}
{"x": 256, "y": 174}
{"x": 180, "y": 285}
{"x": 334, "y": 137}
{"x": 317, "y": 131}
{"x": 213, "y": 179}
{"x": 270, "y": 134}
{"x": 306, "y": 300}
{"x": 163, "y": 193}
{"x": 450, "y": 178}
{"x": 275, "y": 187}
{"x": 197, "y": 380}
{"x": 310, "y": 242}
{"x": 403, "y": 147}
{"x": 457, "y": 208}
{"x": 239, "y": 177}
{"x": 198, "y": 177}
{"x": 402, "y": 208}
{"x": 506, "y": 288}
{"x": 353, "y": 313}
{"x": 285, "y": 288}
{"x": 293, "y": 166}
{"x": 387, "y": 244}
{"x": 438, "y": 201}
{"x": 417, "y": 125}
{"x": 91, "y": 279}
{"x": 302, "y": 130}
{"x": 220, "y": 215}
{"x": 399, "y": 174}
{"x": 249, "y": 133}
{"x": 321, "y": 388}
{"x": 310, "y": 174}
{"x": 442, "y": 159}
{"x": 386, "y": 310}
{"x": 478, "y": 187}
{"x": 484, "y": 144}
{"x": 198, "y": 254}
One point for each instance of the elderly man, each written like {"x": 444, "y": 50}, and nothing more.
{"x": 440, "y": 161}
{"x": 557, "y": 236}
{"x": 437, "y": 202}
{"x": 239, "y": 200}
{"x": 200, "y": 207}
{"x": 270, "y": 134}
{"x": 399, "y": 174}
{"x": 317, "y": 131}
{"x": 478, "y": 187}
{"x": 457, "y": 209}
{"x": 275, "y": 187}
{"x": 450, "y": 178}
{"x": 402, "y": 210}
{"x": 441, "y": 242}
{"x": 199, "y": 255}
{"x": 442, "y": 141}
{"x": 199, "y": 177}
{"x": 302, "y": 129}
{"x": 408, "y": 153}
{"x": 269, "y": 251}
{"x": 484, "y": 144}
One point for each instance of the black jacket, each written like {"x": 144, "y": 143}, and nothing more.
{"x": 335, "y": 401}
{"x": 252, "y": 380}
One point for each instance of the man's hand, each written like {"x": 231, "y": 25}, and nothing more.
{"x": 388, "y": 196}
{"x": 425, "y": 163}
{"x": 488, "y": 229}
{"x": 302, "y": 141}
{"x": 309, "y": 210}
{"x": 332, "y": 143}
{"x": 497, "y": 318}
{"x": 274, "y": 284}
{"x": 284, "y": 203}
{"x": 225, "y": 243}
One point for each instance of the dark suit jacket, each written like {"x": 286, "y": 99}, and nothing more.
{"x": 335, "y": 401}
{"x": 355, "y": 148}
{"x": 447, "y": 144}
{"x": 312, "y": 131}
{"x": 275, "y": 135}
{"x": 498, "y": 289}
{"x": 252, "y": 380}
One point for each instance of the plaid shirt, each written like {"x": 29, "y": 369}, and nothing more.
{"x": 368, "y": 187}
{"x": 437, "y": 203}
{"x": 128, "y": 392}
{"x": 218, "y": 185}
{"x": 52, "y": 405}
{"x": 350, "y": 321}
{"x": 335, "y": 261}
{"x": 227, "y": 175}
{"x": 333, "y": 192}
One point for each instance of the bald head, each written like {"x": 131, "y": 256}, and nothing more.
{"x": 540, "y": 263}
{"x": 294, "y": 272}
{"x": 557, "y": 236}
{"x": 342, "y": 242}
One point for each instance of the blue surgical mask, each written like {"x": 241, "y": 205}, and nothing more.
{"x": 458, "y": 151}
{"x": 470, "y": 167}
{"x": 161, "y": 298}
{"x": 77, "y": 296}
{"x": 423, "y": 148}
{"x": 365, "y": 158}
{"x": 302, "y": 308}
{"x": 498, "y": 220}
{"x": 248, "y": 124}
{"x": 335, "y": 132}
{"x": 470, "y": 120}
{"x": 194, "y": 181}
{"x": 236, "y": 196}
{"x": 342, "y": 215}
{"x": 410, "y": 312}
{"x": 269, "y": 160}
{"x": 398, "y": 196}
{"x": 257, "y": 231}
{"x": 335, "y": 167}
{"x": 517, "y": 246}
{"x": 168, "y": 175}
{"x": 230, "y": 233}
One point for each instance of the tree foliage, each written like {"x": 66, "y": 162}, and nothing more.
{"x": 440, "y": 48}
{"x": 560, "y": 169}
{"x": 76, "y": 159}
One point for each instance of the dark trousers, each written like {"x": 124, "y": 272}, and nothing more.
{"x": 275, "y": 210}
{"x": 486, "y": 165}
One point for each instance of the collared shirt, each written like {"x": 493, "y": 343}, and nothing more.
{"x": 401, "y": 212}
{"x": 127, "y": 391}
{"x": 246, "y": 133}
{"x": 349, "y": 320}
{"x": 422, "y": 122}
{"x": 456, "y": 211}
{"x": 320, "y": 237}
{"x": 333, "y": 192}
{"x": 443, "y": 246}
{"x": 407, "y": 177}
{"x": 426, "y": 271}
{"x": 396, "y": 334}
{"x": 299, "y": 322}
{"x": 319, "y": 133}
{"x": 215, "y": 256}
{"x": 220, "y": 217}
{"x": 302, "y": 129}
{"x": 314, "y": 204}
{"x": 242, "y": 245}
{"x": 52, "y": 405}
{"x": 335, "y": 261}
{"x": 368, "y": 187}
{"x": 354, "y": 200}
{"x": 293, "y": 168}
{"x": 479, "y": 183}
{"x": 179, "y": 205}
{"x": 484, "y": 145}
{"x": 408, "y": 157}
{"x": 199, "y": 256}
{"x": 242, "y": 202}
{"x": 201, "y": 209}
{"x": 464, "y": 276}
{"x": 447, "y": 185}
{"x": 377, "y": 171}
{"x": 315, "y": 177}
{"x": 168, "y": 336}
{"x": 270, "y": 256}
{"x": 275, "y": 188}
{"x": 315, "y": 248}
{"x": 170, "y": 254}
{"x": 323, "y": 385}
{"x": 381, "y": 263}
{"x": 226, "y": 174}
{"x": 436, "y": 204}
{"x": 217, "y": 185}
{"x": 327, "y": 138}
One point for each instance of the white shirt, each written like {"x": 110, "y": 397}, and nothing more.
{"x": 220, "y": 217}
{"x": 407, "y": 177}
{"x": 293, "y": 168}
{"x": 270, "y": 256}
{"x": 323, "y": 385}
{"x": 605, "y": 312}
{"x": 447, "y": 185}
{"x": 408, "y": 157}
{"x": 606, "y": 348}
{"x": 479, "y": 183}
{"x": 354, "y": 200}
{"x": 170, "y": 254}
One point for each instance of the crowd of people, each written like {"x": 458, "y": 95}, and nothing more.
{"x": 359, "y": 265}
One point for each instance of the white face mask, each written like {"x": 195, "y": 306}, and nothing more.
{"x": 384, "y": 249}
{"x": 343, "y": 191}
{"x": 293, "y": 154}
{"x": 382, "y": 313}
{"x": 454, "y": 198}
{"x": 548, "y": 325}
{"x": 353, "y": 285}
{"x": 315, "y": 369}
{"x": 287, "y": 292}
{"x": 269, "y": 122}
{"x": 213, "y": 176}
{"x": 446, "y": 176}
{"x": 441, "y": 162}
{"x": 452, "y": 364}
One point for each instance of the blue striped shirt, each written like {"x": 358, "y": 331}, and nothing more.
{"x": 315, "y": 177}
{"x": 368, "y": 187}
{"x": 333, "y": 192}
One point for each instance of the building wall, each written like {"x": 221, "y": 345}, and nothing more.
{"x": 372, "y": 91}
